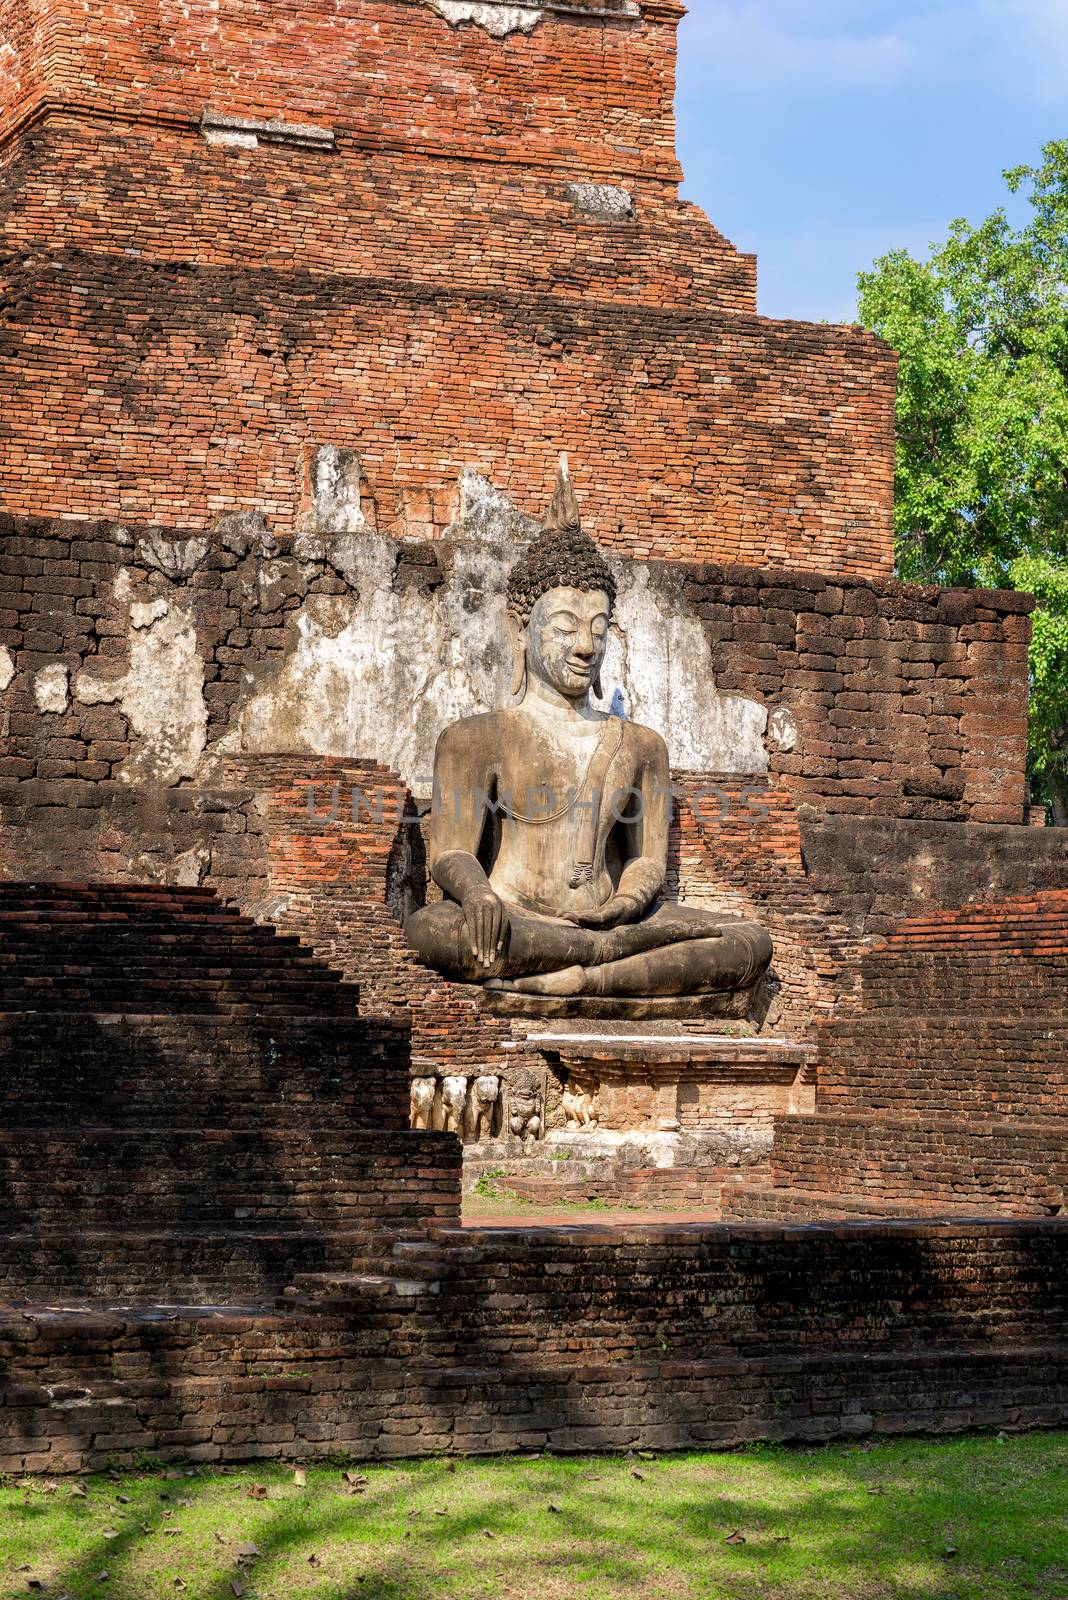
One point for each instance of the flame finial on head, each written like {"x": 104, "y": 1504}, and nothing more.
{"x": 560, "y": 556}
{"x": 563, "y": 515}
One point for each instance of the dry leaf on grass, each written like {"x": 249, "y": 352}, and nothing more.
{"x": 79, "y": 1490}
{"x": 735, "y": 1538}
{"x": 258, "y": 1491}
{"x": 313, "y": 1561}
{"x": 180, "y": 1583}
{"x": 636, "y": 1474}
{"x": 111, "y": 1533}
{"x": 300, "y": 1477}
{"x": 247, "y": 1553}
{"x": 237, "y": 1587}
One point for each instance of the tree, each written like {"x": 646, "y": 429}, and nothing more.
{"x": 982, "y": 425}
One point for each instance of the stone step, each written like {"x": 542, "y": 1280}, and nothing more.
{"x": 1014, "y": 1164}
{"x": 338, "y": 1291}
{"x": 98, "y": 1179}
{"x": 181, "y": 1070}
{"x": 134, "y": 1266}
{"x": 757, "y": 1203}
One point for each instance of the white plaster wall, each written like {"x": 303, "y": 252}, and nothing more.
{"x": 382, "y": 674}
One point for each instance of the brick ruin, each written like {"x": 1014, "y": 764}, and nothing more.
{"x": 299, "y": 303}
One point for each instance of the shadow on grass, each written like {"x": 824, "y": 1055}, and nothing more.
{"x": 913, "y": 1521}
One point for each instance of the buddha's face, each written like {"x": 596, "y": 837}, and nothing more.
{"x": 566, "y": 639}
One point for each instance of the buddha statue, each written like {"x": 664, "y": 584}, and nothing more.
{"x": 549, "y": 827}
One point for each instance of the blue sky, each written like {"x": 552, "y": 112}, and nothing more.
{"x": 820, "y": 133}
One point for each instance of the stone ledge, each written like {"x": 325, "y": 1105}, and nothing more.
{"x": 656, "y": 1049}
{"x": 247, "y": 133}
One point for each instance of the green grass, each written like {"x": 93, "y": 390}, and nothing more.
{"x": 965, "y": 1519}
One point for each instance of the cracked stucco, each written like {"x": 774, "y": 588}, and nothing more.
{"x": 380, "y": 674}
{"x": 376, "y": 672}
{"x": 50, "y": 688}
{"x": 161, "y": 693}
{"x": 498, "y": 20}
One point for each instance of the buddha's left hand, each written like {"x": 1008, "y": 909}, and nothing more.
{"x": 620, "y": 908}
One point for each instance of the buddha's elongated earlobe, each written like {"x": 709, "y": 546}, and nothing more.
{"x": 598, "y": 692}
{"x": 519, "y": 672}
{"x": 518, "y": 634}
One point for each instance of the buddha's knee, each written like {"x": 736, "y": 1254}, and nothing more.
{"x": 754, "y": 952}
{"x": 434, "y": 932}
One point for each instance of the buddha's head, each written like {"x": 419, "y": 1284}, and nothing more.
{"x": 560, "y": 599}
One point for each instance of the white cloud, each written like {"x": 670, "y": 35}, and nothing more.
{"x": 759, "y": 43}
{"x": 1033, "y": 39}
{"x": 1015, "y": 48}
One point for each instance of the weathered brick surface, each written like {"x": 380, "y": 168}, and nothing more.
{"x": 1020, "y": 1166}
{"x": 381, "y": 1182}
{"x": 941, "y": 1081}
{"x": 182, "y": 416}
{"x": 430, "y": 281}
{"x": 875, "y": 871}
{"x": 908, "y": 703}
{"x": 666, "y": 1338}
{"x": 959, "y": 1012}
{"x": 178, "y": 1088}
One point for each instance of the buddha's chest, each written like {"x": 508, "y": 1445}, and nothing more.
{"x": 542, "y": 773}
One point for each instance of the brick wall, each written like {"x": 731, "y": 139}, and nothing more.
{"x": 411, "y": 259}
{"x": 985, "y": 1164}
{"x": 178, "y": 392}
{"x": 958, "y": 1013}
{"x": 591, "y": 96}
{"x": 660, "y": 1339}
{"x": 170, "y": 196}
{"x": 169, "y": 1069}
{"x": 905, "y": 702}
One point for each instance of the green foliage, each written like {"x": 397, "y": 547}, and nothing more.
{"x": 486, "y": 1183}
{"x": 982, "y": 437}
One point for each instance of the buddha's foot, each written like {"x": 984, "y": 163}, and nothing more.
{"x": 568, "y": 981}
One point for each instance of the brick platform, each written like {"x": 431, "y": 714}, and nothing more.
{"x": 944, "y": 1084}
{"x": 569, "y": 1339}
{"x": 191, "y": 1106}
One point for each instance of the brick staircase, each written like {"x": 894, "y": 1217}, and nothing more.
{"x": 946, "y": 1093}
{"x": 192, "y": 1109}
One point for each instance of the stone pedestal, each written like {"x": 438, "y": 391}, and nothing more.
{"x": 656, "y": 1119}
{"x": 676, "y": 1082}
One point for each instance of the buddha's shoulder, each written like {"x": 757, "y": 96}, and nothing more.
{"x": 482, "y": 731}
{"x": 645, "y": 742}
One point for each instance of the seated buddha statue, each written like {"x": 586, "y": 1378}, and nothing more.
{"x": 550, "y": 819}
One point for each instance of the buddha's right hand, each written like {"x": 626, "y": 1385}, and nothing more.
{"x": 487, "y": 925}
